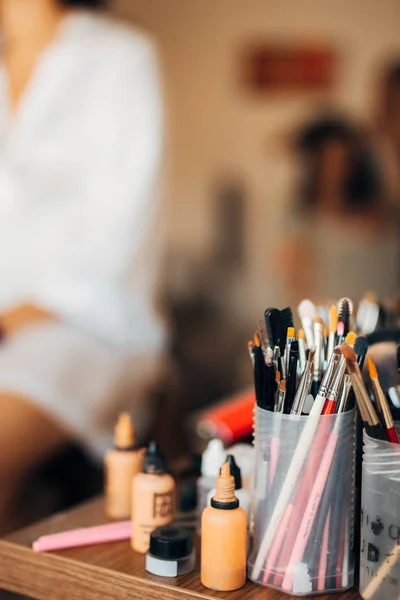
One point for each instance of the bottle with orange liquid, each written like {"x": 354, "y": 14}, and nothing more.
{"x": 223, "y": 538}
{"x": 121, "y": 464}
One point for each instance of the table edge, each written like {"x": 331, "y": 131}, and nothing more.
{"x": 11, "y": 581}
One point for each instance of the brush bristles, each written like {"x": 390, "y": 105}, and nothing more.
{"x": 306, "y": 309}
{"x": 345, "y": 304}
{"x": 340, "y": 329}
{"x": 311, "y": 354}
{"x": 301, "y": 334}
{"x": 349, "y": 355}
{"x": 373, "y": 373}
{"x": 333, "y": 318}
{"x": 257, "y": 339}
{"x": 282, "y": 386}
{"x": 290, "y": 332}
{"x": 345, "y": 310}
{"x": 351, "y": 338}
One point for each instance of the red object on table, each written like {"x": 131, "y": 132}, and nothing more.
{"x": 231, "y": 420}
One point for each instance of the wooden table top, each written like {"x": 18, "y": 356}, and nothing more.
{"x": 104, "y": 571}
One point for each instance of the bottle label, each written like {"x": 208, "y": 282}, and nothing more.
{"x": 163, "y": 505}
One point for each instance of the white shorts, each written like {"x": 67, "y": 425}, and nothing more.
{"x": 81, "y": 382}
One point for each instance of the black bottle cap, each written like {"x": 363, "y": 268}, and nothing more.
{"x": 235, "y": 471}
{"x": 171, "y": 543}
{"x": 154, "y": 460}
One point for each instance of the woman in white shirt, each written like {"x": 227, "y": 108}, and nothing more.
{"x": 80, "y": 149}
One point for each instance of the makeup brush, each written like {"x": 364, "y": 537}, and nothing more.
{"x": 346, "y": 399}
{"x": 361, "y": 349}
{"x": 345, "y": 308}
{"x": 318, "y": 328}
{"x": 286, "y": 322}
{"x": 382, "y": 403}
{"x": 394, "y": 396}
{"x": 302, "y": 351}
{"x": 272, "y": 319}
{"x": 367, "y": 410}
{"x": 276, "y": 358}
{"x": 290, "y": 337}
{"x": 278, "y": 379}
{"x": 281, "y": 397}
{"x": 258, "y": 370}
{"x": 263, "y": 333}
{"x": 334, "y": 389}
{"x": 307, "y": 312}
{"x": 340, "y": 332}
{"x": 304, "y": 386}
{"x": 292, "y": 376}
{"x": 325, "y": 343}
{"x": 351, "y": 338}
{"x": 269, "y": 387}
{"x": 251, "y": 348}
{"x": 333, "y": 321}
{"x": 368, "y": 314}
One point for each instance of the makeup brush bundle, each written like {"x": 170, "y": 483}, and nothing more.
{"x": 305, "y": 437}
{"x": 289, "y": 369}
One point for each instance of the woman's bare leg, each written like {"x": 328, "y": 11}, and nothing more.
{"x": 27, "y": 437}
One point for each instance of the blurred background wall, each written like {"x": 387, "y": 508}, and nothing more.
{"x": 220, "y": 131}
{"x": 229, "y": 147}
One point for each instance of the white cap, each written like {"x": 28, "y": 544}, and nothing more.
{"x": 245, "y": 457}
{"x": 212, "y": 459}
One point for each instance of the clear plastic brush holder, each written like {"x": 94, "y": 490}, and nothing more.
{"x": 380, "y": 521}
{"x": 303, "y": 503}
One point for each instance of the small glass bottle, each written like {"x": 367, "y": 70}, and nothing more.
{"x": 153, "y": 498}
{"x": 223, "y": 538}
{"x": 121, "y": 464}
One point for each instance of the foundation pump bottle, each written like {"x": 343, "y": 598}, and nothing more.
{"x": 153, "y": 498}
{"x": 120, "y": 465}
{"x": 223, "y": 538}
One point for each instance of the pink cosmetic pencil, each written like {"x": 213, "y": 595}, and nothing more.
{"x": 88, "y": 536}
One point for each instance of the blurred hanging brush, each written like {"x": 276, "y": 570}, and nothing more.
{"x": 368, "y": 314}
{"x": 307, "y": 312}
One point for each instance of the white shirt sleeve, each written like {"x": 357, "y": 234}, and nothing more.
{"x": 107, "y": 225}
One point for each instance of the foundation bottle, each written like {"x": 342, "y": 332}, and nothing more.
{"x": 121, "y": 464}
{"x": 223, "y": 538}
{"x": 153, "y": 498}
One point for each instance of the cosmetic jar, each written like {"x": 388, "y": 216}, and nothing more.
{"x": 171, "y": 552}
